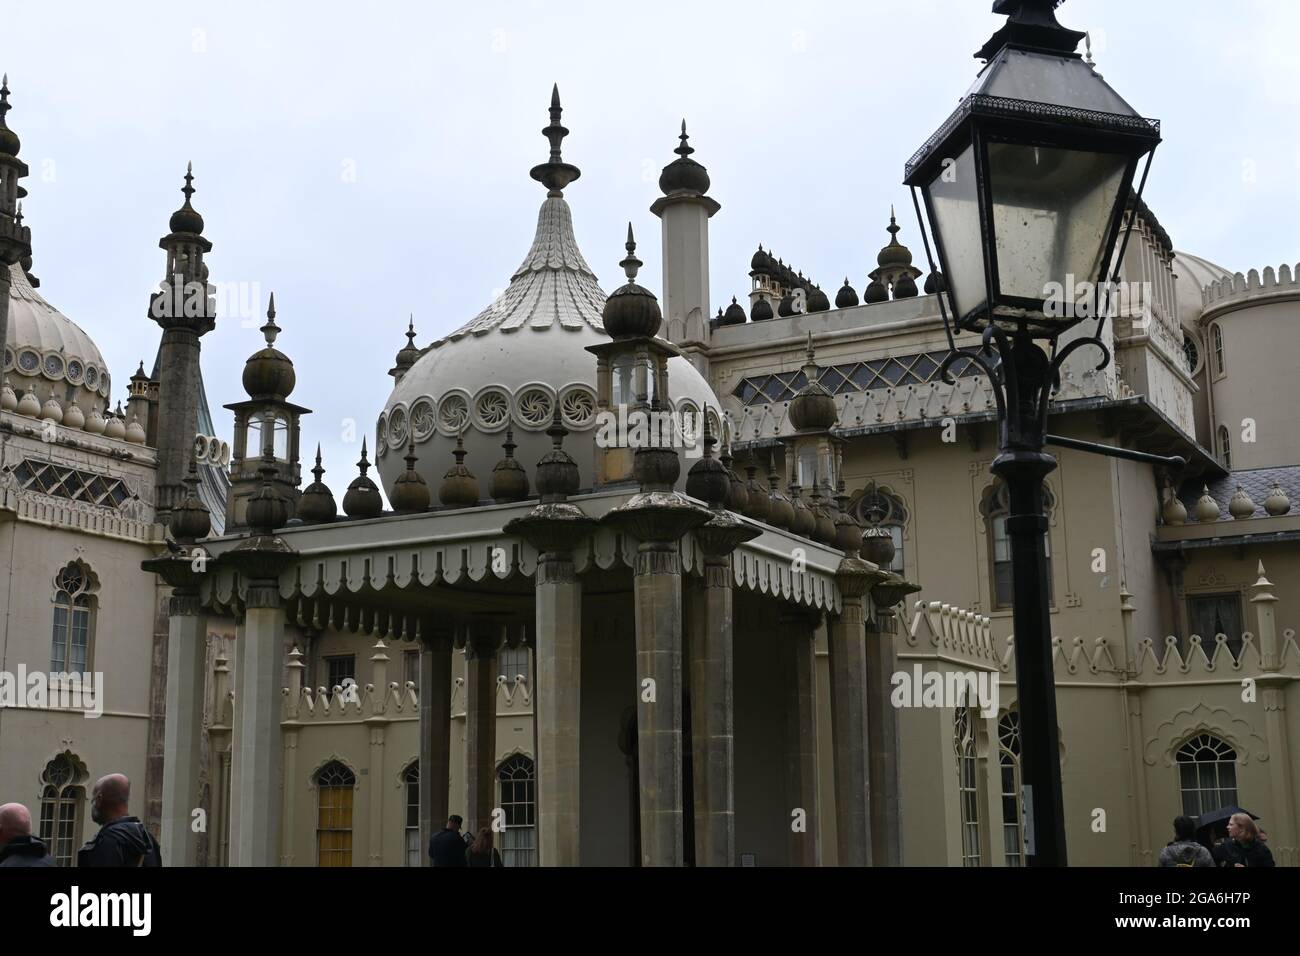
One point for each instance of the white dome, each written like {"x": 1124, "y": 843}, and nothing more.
{"x": 1193, "y": 274}
{"x": 508, "y": 367}
{"x": 47, "y": 351}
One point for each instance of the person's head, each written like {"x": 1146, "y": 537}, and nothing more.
{"x": 455, "y": 822}
{"x": 1184, "y": 828}
{"x": 109, "y": 798}
{"x": 15, "y": 821}
{"x": 1242, "y": 828}
{"x": 483, "y": 842}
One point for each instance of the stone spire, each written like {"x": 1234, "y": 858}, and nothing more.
{"x": 408, "y": 355}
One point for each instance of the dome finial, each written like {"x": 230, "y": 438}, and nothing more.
{"x": 410, "y": 330}
{"x": 631, "y": 264}
{"x": 685, "y": 149}
{"x": 270, "y": 330}
{"x": 188, "y": 188}
{"x": 9, "y": 143}
{"x": 364, "y": 464}
{"x": 555, "y": 173}
{"x": 318, "y": 471}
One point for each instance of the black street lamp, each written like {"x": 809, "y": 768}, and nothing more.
{"x": 1025, "y": 187}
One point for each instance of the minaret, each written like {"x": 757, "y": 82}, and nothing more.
{"x": 15, "y": 238}
{"x": 185, "y": 308}
{"x": 685, "y": 211}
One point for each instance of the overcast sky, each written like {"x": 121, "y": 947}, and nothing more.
{"x": 369, "y": 160}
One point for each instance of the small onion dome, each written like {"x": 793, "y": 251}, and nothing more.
{"x": 823, "y": 524}
{"x": 905, "y": 287}
{"x": 74, "y": 417}
{"x": 1174, "y": 512}
{"x": 410, "y": 491}
{"x": 779, "y": 512}
{"x": 187, "y": 218}
{"x": 895, "y": 253}
{"x": 684, "y": 173}
{"x": 115, "y": 427}
{"x": 814, "y": 407}
{"x": 848, "y": 533}
{"x": 268, "y": 373}
{"x": 8, "y": 397}
{"x": 135, "y": 431}
{"x": 758, "y": 502}
{"x": 557, "y": 472}
{"x": 735, "y": 314}
{"x": 267, "y": 509}
{"x": 9, "y": 142}
{"x": 878, "y": 546}
{"x": 934, "y": 283}
{"x": 509, "y": 481}
{"x": 761, "y": 310}
{"x": 1277, "y": 503}
{"x": 1241, "y": 506}
{"x": 409, "y": 353}
{"x": 362, "y": 498}
{"x": 818, "y": 301}
{"x": 95, "y": 423}
{"x": 846, "y": 298}
{"x": 738, "y": 493}
{"x": 708, "y": 480}
{"x": 189, "y": 520}
{"x": 631, "y": 310}
{"x": 761, "y": 263}
{"x": 459, "y": 488}
{"x": 316, "y": 503}
{"x": 876, "y": 292}
{"x": 655, "y": 467}
{"x": 52, "y": 411}
{"x": 1207, "y": 509}
{"x": 804, "y": 521}
{"x": 786, "y": 307}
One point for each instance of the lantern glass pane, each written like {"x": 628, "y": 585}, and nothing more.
{"x": 1052, "y": 211}
{"x": 954, "y": 204}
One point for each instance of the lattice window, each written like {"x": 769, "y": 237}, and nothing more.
{"x": 996, "y": 508}
{"x": 1012, "y": 810}
{"x": 888, "y": 372}
{"x": 62, "y": 794}
{"x": 334, "y": 788}
{"x": 1207, "y": 774}
{"x": 73, "y": 628}
{"x": 62, "y": 482}
{"x": 518, "y": 778}
{"x": 963, "y": 740}
{"x": 411, "y": 833}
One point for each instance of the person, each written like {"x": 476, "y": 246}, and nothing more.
{"x": 1185, "y": 850}
{"x": 1244, "y": 848}
{"x": 481, "y": 852}
{"x": 17, "y": 845}
{"x": 122, "y": 839}
{"x": 447, "y": 848}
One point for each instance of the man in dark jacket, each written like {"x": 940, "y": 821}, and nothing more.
{"x": 17, "y": 845}
{"x": 122, "y": 840}
{"x": 1185, "y": 851}
{"x": 447, "y": 848}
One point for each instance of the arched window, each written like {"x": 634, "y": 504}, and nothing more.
{"x": 519, "y": 801}
{"x": 963, "y": 741}
{"x": 74, "y": 619}
{"x": 63, "y": 791}
{"x": 411, "y": 783}
{"x": 1207, "y": 774}
{"x": 893, "y": 518}
{"x": 997, "y": 508}
{"x": 1225, "y": 446}
{"x": 1012, "y": 809}
{"x": 1216, "y": 344}
{"x": 334, "y": 788}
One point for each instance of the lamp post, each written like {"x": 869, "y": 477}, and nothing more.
{"x": 1025, "y": 187}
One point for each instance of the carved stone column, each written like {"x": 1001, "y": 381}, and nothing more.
{"x": 186, "y": 674}
{"x": 480, "y": 723}
{"x": 800, "y": 627}
{"x": 435, "y": 732}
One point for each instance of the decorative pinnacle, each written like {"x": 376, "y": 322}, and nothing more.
{"x": 410, "y": 331}
{"x": 893, "y": 228}
{"x": 509, "y": 444}
{"x": 20, "y": 213}
{"x": 318, "y": 471}
{"x": 411, "y": 458}
{"x": 709, "y": 440}
{"x": 631, "y": 265}
{"x": 364, "y": 463}
{"x": 188, "y": 188}
{"x": 555, "y": 174}
{"x": 4, "y": 98}
{"x": 810, "y": 367}
{"x": 460, "y": 448}
{"x": 270, "y": 330}
{"x": 685, "y": 149}
{"x": 557, "y": 431}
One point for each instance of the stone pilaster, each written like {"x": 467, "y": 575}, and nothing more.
{"x": 435, "y": 733}
{"x": 800, "y": 629}
{"x": 183, "y": 729}
{"x": 480, "y": 724}
{"x": 884, "y": 742}
{"x": 1272, "y": 691}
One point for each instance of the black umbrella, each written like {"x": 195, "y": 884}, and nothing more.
{"x": 1214, "y": 823}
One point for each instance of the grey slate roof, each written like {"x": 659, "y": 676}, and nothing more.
{"x": 1257, "y": 483}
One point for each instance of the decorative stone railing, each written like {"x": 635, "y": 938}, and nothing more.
{"x": 953, "y": 632}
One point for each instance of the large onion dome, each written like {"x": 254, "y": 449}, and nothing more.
{"x": 269, "y": 373}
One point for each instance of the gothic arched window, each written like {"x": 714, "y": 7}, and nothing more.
{"x": 411, "y": 784}
{"x": 334, "y": 787}
{"x": 63, "y": 791}
{"x": 1207, "y": 774}
{"x": 73, "y": 627}
{"x": 996, "y": 508}
{"x": 963, "y": 742}
{"x": 518, "y": 778}
{"x": 1012, "y": 810}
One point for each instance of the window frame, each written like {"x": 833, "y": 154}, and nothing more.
{"x": 1219, "y": 352}
{"x": 342, "y": 781}
{"x": 60, "y": 797}
{"x": 968, "y": 808}
{"x": 525, "y": 832}
{"x": 1226, "y": 755}
{"x": 76, "y": 596}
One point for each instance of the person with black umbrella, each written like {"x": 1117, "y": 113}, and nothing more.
{"x": 1243, "y": 848}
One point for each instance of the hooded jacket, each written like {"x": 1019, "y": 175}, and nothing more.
{"x": 124, "y": 842}
{"x": 1185, "y": 853}
{"x": 25, "y": 851}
